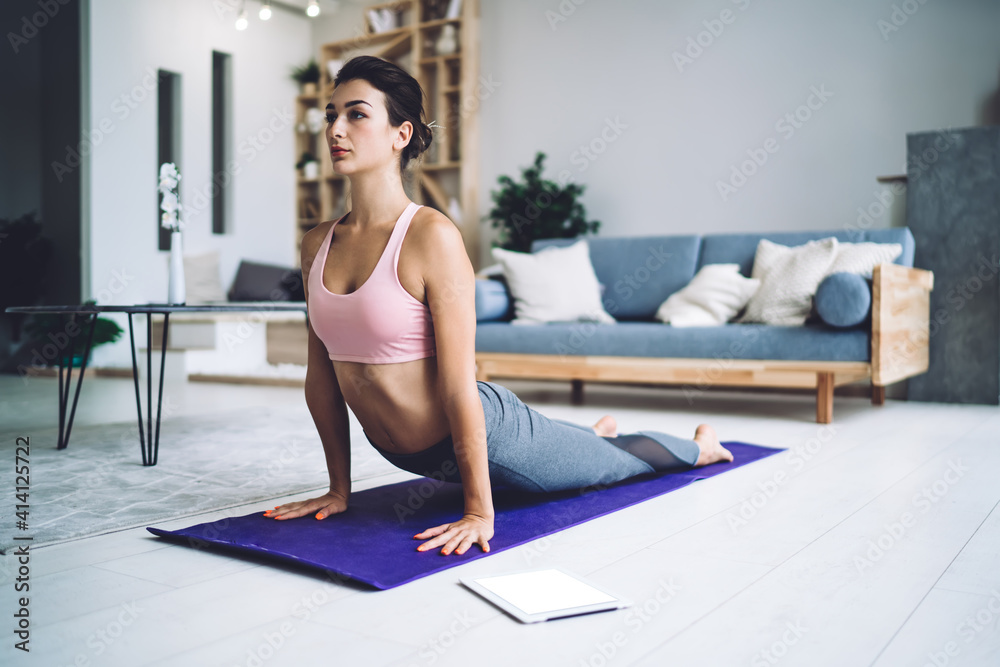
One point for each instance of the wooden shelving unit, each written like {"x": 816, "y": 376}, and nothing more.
{"x": 449, "y": 169}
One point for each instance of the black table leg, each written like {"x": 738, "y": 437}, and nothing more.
{"x": 64, "y": 385}
{"x": 149, "y": 442}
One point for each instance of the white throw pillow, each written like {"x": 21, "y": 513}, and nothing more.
{"x": 862, "y": 258}
{"x": 789, "y": 277}
{"x": 201, "y": 279}
{"x": 714, "y": 296}
{"x": 553, "y": 285}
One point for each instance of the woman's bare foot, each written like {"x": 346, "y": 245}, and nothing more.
{"x": 712, "y": 450}
{"x": 606, "y": 427}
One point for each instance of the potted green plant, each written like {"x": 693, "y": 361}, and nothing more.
{"x": 41, "y": 325}
{"x": 535, "y": 208}
{"x": 308, "y": 76}
{"x": 309, "y": 166}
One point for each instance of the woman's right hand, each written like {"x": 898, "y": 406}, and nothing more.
{"x": 324, "y": 506}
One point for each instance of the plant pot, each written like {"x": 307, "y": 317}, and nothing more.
{"x": 309, "y": 88}
{"x": 175, "y": 285}
{"x": 310, "y": 170}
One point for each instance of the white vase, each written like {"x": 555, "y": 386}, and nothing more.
{"x": 175, "y": 286}
{"x": 310, "y": 170}
{"x": 447, "y": 42}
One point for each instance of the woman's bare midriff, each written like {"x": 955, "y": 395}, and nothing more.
{"x": 396, "y": 404}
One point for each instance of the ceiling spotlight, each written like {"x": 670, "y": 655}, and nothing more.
{"x": 265, "y": 11}
{"x": 313, "y": 8}
{"x": 241, "y": 20}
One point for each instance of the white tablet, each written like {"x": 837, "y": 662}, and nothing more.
{"x": 540, "y": 595}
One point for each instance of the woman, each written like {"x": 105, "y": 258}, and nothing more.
{"x": 397, "y": 342}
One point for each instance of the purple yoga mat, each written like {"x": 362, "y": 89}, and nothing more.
{"x": 372, "y": 541}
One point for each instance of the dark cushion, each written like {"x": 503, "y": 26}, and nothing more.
{"x": 256, "y": 281}
{"x": 844, "y": 299}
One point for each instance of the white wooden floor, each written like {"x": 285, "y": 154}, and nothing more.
{"x": 872, "y": 541}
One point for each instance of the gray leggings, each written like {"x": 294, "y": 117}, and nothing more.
{"x": 531, "y": 452}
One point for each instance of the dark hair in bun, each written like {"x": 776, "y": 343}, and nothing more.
{"x": 403, "y": 98}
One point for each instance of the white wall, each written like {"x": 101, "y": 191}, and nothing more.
{"x": 559, "y": 84}
{"x": 128, "y": 41}
{"x": 686, "y": 129}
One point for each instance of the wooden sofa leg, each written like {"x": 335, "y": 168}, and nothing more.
{"x": 576, "y": 394}
{"x": 824, "y": 398}
{"x": 878, "y": 395}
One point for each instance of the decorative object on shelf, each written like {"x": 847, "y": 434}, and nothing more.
{"x": 382, "y": 20}
{"x": 315, "y": 120}
{"x": 454, "y": 9}
{"x": 537, "y": 209}
{"x": 171, "y": 219}
{"x": 447, "y": 43}
{"x": 435, "y": 9}
{"x": 307, "y": 76}
{"x": 309, "y": 166}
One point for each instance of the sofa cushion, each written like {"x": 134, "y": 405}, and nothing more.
{"x": 639, "y": 272}
{"x": 862, "y": 258}
{"x": 553, "y": 285}
{"x": 256, "y": 281}
{"x": 716, "y": 294}
{"x": 741, "y": 248}
{"x": 492, "y": 300}
{"x": 202, "y": 284}
{"x": 811, "y": 342}
{"x": 844, "y": 299}
{"x": 789, "y": 278}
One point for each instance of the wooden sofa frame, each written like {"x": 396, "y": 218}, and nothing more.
{"x": 899, "y": 349}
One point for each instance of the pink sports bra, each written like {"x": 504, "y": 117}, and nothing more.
{"x": 379, "y": 322}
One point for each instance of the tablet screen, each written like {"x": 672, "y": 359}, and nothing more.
{"x": 544, "y": 591}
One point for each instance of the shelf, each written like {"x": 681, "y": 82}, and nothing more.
{"x": 368, "y": 39}
{"x": 438, "y": 22}
{"x": 452, "y": 176}
{"x": 441, "y": 59}
{"x": 431, "y": 166}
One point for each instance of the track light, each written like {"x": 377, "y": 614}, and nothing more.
{"x": 265, "y": 11}
{"x": 313, "y": 8}
{"x": 241, "y": 20}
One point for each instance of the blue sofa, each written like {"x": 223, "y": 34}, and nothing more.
{"x": 888, "y": 345}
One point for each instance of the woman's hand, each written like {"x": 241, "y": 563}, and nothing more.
{"x": 458, "y": 536}
{"x": 324, "y": 506}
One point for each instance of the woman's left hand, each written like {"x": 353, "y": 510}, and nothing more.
{"x": 459, "y": 535}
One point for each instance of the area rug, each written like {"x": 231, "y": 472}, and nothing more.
{"x": 206, "y": 462}
{"x": 372, "y": 541}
